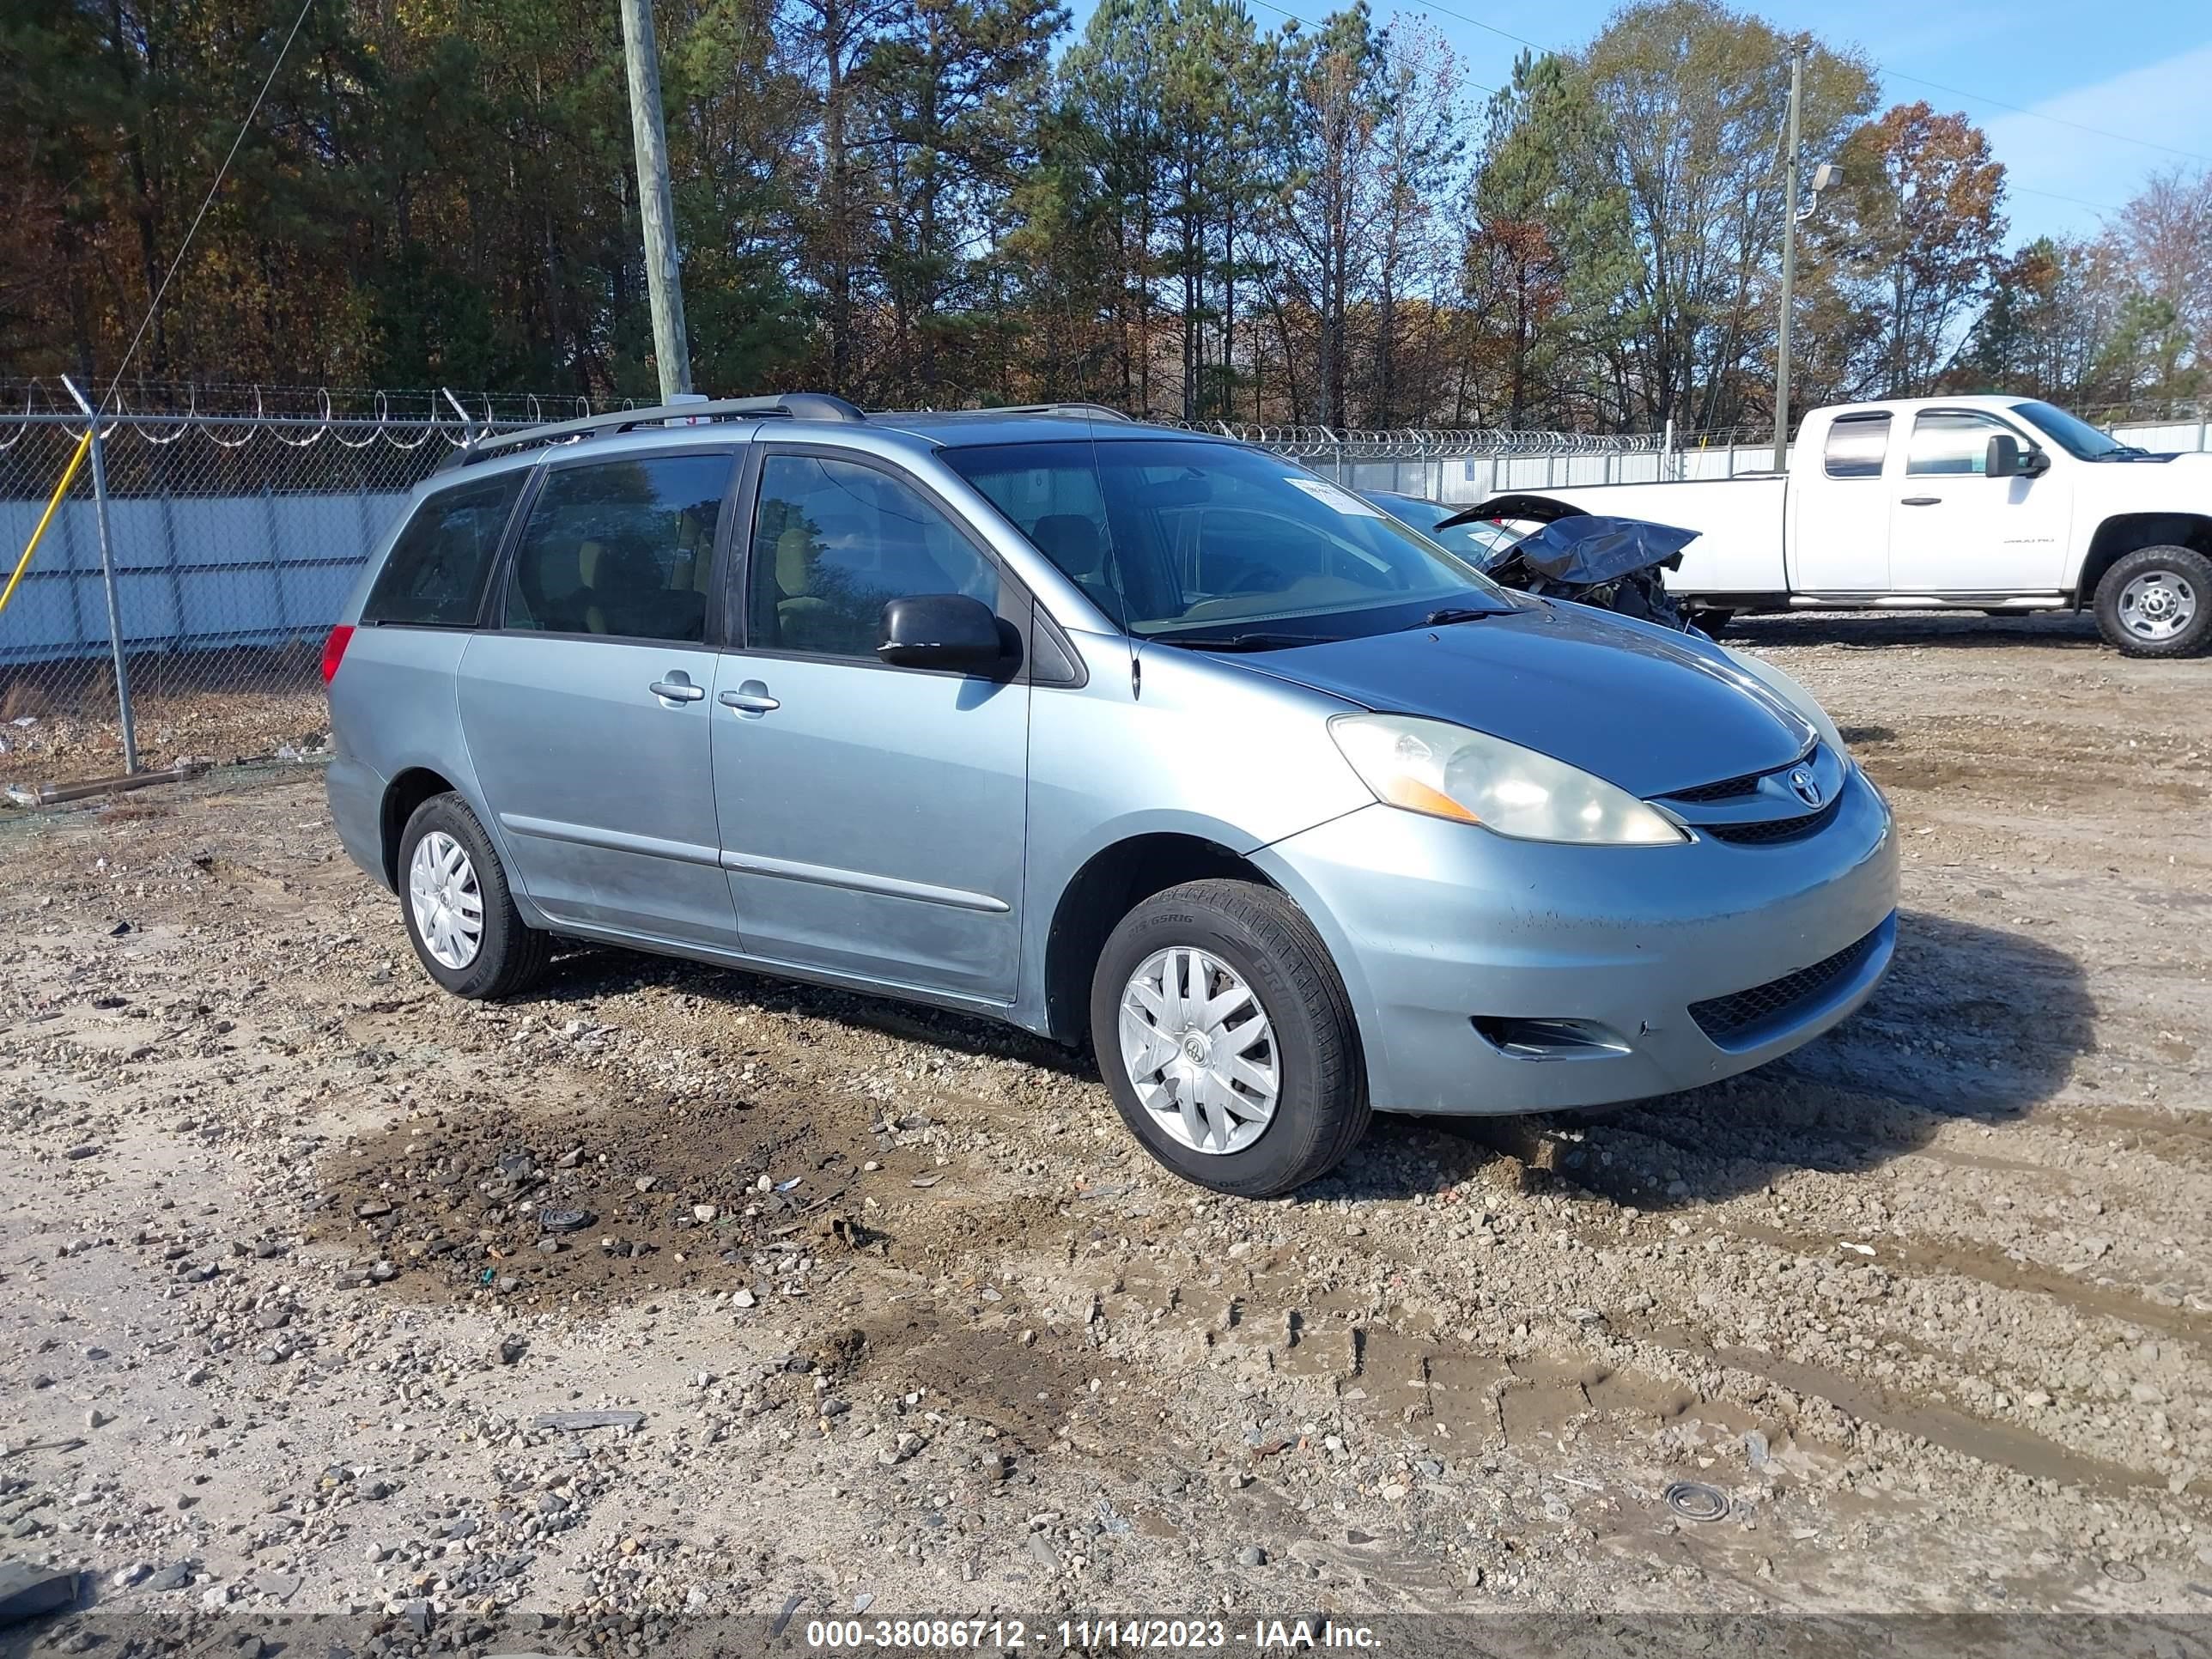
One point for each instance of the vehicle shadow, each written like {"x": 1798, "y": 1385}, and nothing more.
{"x": 1948, "y": 630}
{"x": 592, "y": 970}
{"x": 1973, "y": 1023}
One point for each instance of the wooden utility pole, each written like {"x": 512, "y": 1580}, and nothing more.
{"x": 663, "y": 277}
{"x": 1789, "y": 260}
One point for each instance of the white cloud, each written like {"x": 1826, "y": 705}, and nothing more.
{"x": 2164, "y": 102}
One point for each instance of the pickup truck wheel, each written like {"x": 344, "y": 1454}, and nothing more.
{"x": 460, "y": 916}
{"x": 2157, "y": 602}
{"x": 1227, "y": 1040}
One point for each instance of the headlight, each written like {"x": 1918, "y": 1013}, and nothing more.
{"x": 1449, "y": 772}
{"x": 1793, "y": 694}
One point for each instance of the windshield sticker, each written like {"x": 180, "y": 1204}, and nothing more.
{"x": 1329, "y": 496}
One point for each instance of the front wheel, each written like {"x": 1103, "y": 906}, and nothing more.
{"x": 1227, "y": 1040}
{"x": 2157, "y": 602}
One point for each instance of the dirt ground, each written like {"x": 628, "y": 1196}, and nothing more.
{"x": 291, "y": 1265}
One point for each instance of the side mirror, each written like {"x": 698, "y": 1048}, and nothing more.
{"x": 948, "y": 631}
{"x": 2007, "y": 459}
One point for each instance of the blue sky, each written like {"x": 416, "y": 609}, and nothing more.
{"x": 2141, "y": 68}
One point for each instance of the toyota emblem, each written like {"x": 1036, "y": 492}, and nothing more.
{"x": 1806, "y": 786}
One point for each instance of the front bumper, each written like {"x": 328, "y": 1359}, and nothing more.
{"x": 1437, "y": 925}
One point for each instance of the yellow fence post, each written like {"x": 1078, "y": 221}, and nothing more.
{"x": 68, "y": 477}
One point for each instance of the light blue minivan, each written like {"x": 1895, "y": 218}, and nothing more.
{"x": 1119, "y": 733}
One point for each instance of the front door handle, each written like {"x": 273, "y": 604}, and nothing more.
{"x": 677, "y": 688}
{"x": 1921, "y": 501}
{"x": 750, "y": 698}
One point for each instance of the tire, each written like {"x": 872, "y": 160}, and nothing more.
{"x": 508, "y": 957}
{"x": 2138, "y": 624}
{"x": 1311, "y": 1047}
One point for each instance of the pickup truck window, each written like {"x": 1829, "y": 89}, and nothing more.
{"x": 1948, "y": 442}
{"x": 2076, "y": 437}
{"x": 1856, "y": 444}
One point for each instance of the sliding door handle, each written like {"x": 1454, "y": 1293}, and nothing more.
{"x": 1921, "y": 501}
{"x": 677, "y": 688}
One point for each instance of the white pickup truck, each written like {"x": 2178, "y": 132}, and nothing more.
{"x": 1980, "y": 503}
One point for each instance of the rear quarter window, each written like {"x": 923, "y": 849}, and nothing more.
{"x": 434, "y": 575}
{"x": 1857, "y": 445}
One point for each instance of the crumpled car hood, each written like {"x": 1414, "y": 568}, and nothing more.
{"x": 1589, "y": 549}
{"x": 1642, "y": 707}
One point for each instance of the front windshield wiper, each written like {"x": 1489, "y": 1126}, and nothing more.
{"x": 1248, "y": 641}
{"x": 1451, "y": 613}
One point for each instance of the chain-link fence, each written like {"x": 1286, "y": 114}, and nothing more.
{"x": 229, "y": 543}
{"x": 233, "y": 538}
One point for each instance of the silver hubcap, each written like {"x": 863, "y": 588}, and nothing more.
{"x": 1199, "y": 1051}
{"x": 441, "y": 886}
{"x": 2157, "y": 605}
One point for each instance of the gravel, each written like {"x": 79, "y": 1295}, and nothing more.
{"x": 878, "y": 1301}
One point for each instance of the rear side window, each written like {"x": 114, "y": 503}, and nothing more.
{"x": 623, "y": 547}
{"x": 1857, "y": 445}
{"x": 435, "y": 576}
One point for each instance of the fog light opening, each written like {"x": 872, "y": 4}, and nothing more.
{"x": 1549, "y": 1039}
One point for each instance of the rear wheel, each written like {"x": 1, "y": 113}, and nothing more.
{"x": 2157, "y": 602}
{"x": 460, "y": 916}
{"x": 1227, "y": 1040}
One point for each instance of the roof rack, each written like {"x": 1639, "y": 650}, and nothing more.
{"x": 792, "y": 405}
{"x": 1096, "y": 411}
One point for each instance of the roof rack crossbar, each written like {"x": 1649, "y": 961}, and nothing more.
{"x": 792, "y": 405}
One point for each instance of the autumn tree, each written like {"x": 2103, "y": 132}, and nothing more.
{"x": 1920, "y": 231}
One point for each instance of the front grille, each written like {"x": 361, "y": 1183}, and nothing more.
{"x": 1765, "y": 831}
{"x": 1723, "y": 1018}
{"x": 1726, "y": 789}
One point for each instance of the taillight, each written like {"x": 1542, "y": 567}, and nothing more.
{"x": 334, "y": 650}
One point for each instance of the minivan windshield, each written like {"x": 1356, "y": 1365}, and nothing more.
{"x": 2074, "y": 435}
{"x": 1217, "y": 546}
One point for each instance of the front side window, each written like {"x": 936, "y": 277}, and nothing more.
{"x": 2074, "y": 435}
{"x": 621, "y": 548}
{"x": 1213, "y": 544}
{"x": 434, "y": 575}
{"x": 835, "y": 541}
{"x": 1857, "y": 445}
{"x": 1952, "y": 442}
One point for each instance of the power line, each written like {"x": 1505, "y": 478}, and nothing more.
{"x": 2041, "y": 115}
{"x": 2029, "y": 190}
{"x": 1287, "y": 12}
{"x": 206, "y": 202}
{"x": 1505, "y": 35}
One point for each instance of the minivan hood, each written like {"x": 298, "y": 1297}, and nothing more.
{"x": 1639, "y": 705}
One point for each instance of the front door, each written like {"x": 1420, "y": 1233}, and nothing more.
{"x": 1953, "y": 529}
{"x": 872, "y": 818}
{"x": 587, "y": 709}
